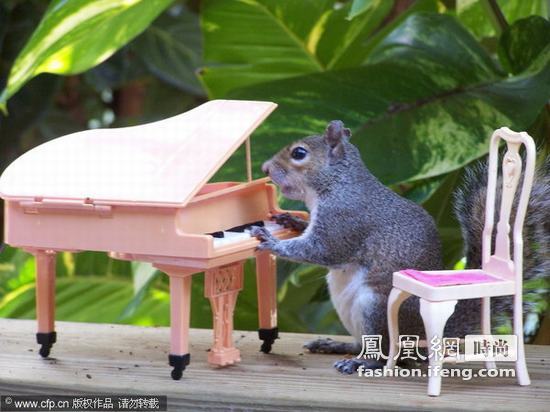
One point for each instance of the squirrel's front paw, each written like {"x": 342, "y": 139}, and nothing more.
{"x": 267, "y": 239}
{"x": 290, "y": 222}
{"x": 349, "y": 366}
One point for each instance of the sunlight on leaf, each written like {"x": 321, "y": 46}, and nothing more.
{"x": 359, "y": 7}
{"x": 67, "y": 40}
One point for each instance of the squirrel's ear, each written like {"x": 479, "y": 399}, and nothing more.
{"x": 336, "y": 132}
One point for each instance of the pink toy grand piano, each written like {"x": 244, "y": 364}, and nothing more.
{"x": 141, "y": 193}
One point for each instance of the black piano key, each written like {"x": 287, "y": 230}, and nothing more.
{"x": 218, "y": 235}
{"x": 242, "y": 228}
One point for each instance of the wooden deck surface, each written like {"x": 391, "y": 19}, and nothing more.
{"x": 92, "y": 358}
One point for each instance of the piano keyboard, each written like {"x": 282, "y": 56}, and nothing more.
{"x": 241, "y": 233}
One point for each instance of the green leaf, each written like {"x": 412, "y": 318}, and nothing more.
{"x": 15, "y": 267}
{"x": 359, "y": 7}
{"x": 425, "y": 107}
{"x": 77, "y": 299}
{"x": 74, "y": 36}
{"x": 440, "y": 206}
{"x": 283, "y": 45}
{"x": 473, "y": 15}
{"x": 89, "y": 299}
{"x": 346, "y": 43}
{"x": 291, "y": 38}
{"x": 100, "y": 264}
{"x": 422, "y": 190}
{"x": 540, "y": 130}
{"x": 144, "y": 274}
{"x": 299, "y": 310}
{"x": 31, "y": 105}
{"x": 522, "y": 42}
{"x": 171, "y": 48}
{"x": 437, "y": 40}
{"x": 373, "y": 28}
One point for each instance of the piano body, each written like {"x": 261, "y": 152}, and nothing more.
{"x": 141, "y": 193}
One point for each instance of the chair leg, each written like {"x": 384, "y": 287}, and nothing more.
{"x": 521, "y": 366}
{"x": 395, "y": 299}
{"x": 266, "y": 280}
{"x": 435, "y": 316}
{"x": 45, "y": 300}
{"x": 486, "y": 325}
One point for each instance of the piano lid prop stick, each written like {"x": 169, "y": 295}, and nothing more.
{"x": 248, "y": 160}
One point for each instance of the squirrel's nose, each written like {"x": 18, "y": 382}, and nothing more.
{"x": 265, "y": 167}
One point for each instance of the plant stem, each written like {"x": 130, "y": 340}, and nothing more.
{"x": 495, "y": 15}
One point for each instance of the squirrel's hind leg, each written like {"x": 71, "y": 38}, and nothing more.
{"x": 327, "y": 345}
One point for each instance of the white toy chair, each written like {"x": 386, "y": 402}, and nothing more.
{"x": 500, "y": 275}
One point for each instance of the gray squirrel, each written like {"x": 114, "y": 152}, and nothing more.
{"x": 362, "y": 232}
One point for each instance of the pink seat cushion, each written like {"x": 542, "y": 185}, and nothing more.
{"x": 457, "y": 277}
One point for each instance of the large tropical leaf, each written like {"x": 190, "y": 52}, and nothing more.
{"x": 291, "y": 38}
{"x": 281, "y": 45}
{"x": 76, "y": 35}
{"x": 425, "y": 105}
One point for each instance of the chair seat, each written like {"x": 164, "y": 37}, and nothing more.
{"x": 439, "y": 285}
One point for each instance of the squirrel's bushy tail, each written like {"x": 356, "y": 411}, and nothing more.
{"x": 470, "y": 211}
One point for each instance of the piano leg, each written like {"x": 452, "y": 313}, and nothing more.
{"x": 266, "y": 280}
{"x": 45, "y": 300}
{"x": 221, "y": 287}
{"x": 180, "y": 299}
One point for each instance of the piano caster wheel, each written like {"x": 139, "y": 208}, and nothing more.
{"x": 177, "y": 373}
{"x": 268, "y": 336}
{"x": 266, "y": 347}
{"x": 44, "y": 351}
{"x": 46, "y": 340}
{"x": 179, "y": 362}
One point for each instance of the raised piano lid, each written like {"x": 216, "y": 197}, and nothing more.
{"x": 164, "y": 163}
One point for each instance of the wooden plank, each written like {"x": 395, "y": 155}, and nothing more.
{"x": 92, "y": 358}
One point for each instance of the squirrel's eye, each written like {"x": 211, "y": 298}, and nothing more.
{"x": 298, "y": 153}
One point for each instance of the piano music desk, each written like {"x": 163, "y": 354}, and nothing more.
{"x": 142, "y": 193}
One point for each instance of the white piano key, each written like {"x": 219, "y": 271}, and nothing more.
{"x": 219, "y": 242}
{"x": 235, "y": 237}
{"x": 271, "y": 226}
{"x": 230, "y": 238}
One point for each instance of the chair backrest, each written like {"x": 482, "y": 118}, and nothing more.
{"x": 500, "y": 262}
